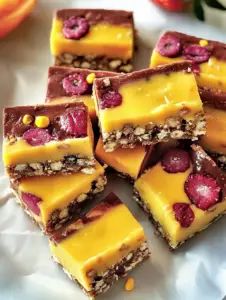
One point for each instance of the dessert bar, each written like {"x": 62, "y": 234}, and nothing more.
{"x": 95, "y": 39}
{"x": 91, "y": 252}
{"x": 208, "y": 58}
{"x": 182, "y": 194}
{"x": 214, "y": 141}
{"x": 73, "y": 85}
{"x": 45, "y": 140}
{"x": 130, "y": 163}
{"x": 149, "y": 106}
{"x": 54, "y": 200}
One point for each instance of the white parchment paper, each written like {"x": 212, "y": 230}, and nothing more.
{"x": 196, "y": 271}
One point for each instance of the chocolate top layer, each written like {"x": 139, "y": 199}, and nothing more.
{"x": 113, "y": 83}
{"x": 214, "y": 98}
{"x": 13, "y": 118}
{"x": 147, "y": 161}
{"x": 217, "y": 49}
{"x": 203, "y": 163}
{"x": 94, "y": 16}
{"x": 93, "y": 213}
{"x": 57, "y": 74}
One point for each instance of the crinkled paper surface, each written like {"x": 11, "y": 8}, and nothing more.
{"x": 196, "y": 271}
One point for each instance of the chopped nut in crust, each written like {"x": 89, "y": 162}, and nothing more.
{"x": 88, "y": 170}
{"x": 82, "y": 197}
{"x": 64, "y": 213}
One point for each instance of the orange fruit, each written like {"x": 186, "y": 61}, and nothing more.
{"x": 12, "y": 13}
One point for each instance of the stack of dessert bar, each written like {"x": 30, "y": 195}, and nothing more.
{"x": 163, "y": 128}
{"x": 48, "y": 153}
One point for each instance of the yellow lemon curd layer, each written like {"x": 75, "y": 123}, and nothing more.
{"x": 215, "y": 138}
{"x": 87, "y": 100}
{"x": 153, "y": 100}
{"x": 100, "y": 244}
{"x": 21, "y": 152}
{"x": 127, "y": 161}
{"x": 212, "y": 73}
{"x": 101, "y": 40}
{"x": 64, "y": 189}
{"x": 160, "y": 190}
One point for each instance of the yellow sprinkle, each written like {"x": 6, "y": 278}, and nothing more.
{"x": 42, "y": 121}
{"x": 27, "y": 119}
{"x": 90, "y": 78}
{"x": 130, "y": 284}
{"x": 203, "y": 43}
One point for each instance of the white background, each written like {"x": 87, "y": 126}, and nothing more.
{"x": 196, "y": 271}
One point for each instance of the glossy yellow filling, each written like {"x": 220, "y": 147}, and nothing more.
{"x": 87, "y": 100}
{"x": 153, "y": 100}
{"x": 102, "y": 40}
{"x": 212, "y": 73}
{"x": 127, "y": 161}
{"x": 21, "y": 152}
{"x": 160, "y": 190}
{"x": 58, "y": 191}
{"x": 215, "y": 138}
{"x": 100, "y": 244}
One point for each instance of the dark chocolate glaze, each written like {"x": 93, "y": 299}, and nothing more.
{"x": 92, "y": 212}
{"x": 116, "y": 81}
{"x": 213, "y": 97}
{"x": 13, "y": 125}
{"x": 57, "y": 74}
{"x": 203, "y": 163}
{"x": 217, "y": 49}
{"x": 147, "y": 161}
{"x": 94, "y": 16}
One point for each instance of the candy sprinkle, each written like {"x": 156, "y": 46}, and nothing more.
{"x": 130, "y": 284}
{"x": 90, "y": 78}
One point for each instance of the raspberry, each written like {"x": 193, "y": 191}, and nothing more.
{"x": 37, "y": 136}
{"x": 75, "y": 28}
{"x": 196, "y": 68}
{"x": 31, "y": 201}
{"x": 75, "y": 84}
{"x": 110, "y": 98}
{"x": 183, "y": 214}
{"x": 175, "y": 160}
{"x": 74, "y": 122}
{"x": 169, "y": 46}
{"x": 202, "y": 190}
{"x": 196, "y": 53}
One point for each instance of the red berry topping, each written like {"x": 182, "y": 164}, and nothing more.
{"x": 196, "y": 68}
{"x": 75, "y": 84}
{"x": 37, "y": 136}
{"x": 74, "y": 122}
{"x": 169, "y": 46}
{"x": 110, "y": 98}
{"x": 75, "y": 28}
{"x": 31, "y": 201}
{"x": 175, "y": 160}
{"x": 183, "y": 214}
{"x": 202, "y": 190}
{"x": 196, "y": 53}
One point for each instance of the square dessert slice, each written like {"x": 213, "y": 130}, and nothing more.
{"x": 91, "y": 252}
{"x": 208, "y": 58}
{"x": 214, "y": 141}
{"x": 54, "y": 200}
{"x": 73, "y": 85}
{"x": 149, "y": 106}
{"x": 96, "y": 39}
{"x": 128, "y": 162}
{"x": 47, "y": 139}
{"x": 183, "y": 193}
